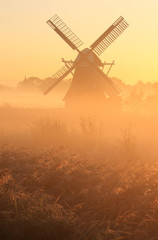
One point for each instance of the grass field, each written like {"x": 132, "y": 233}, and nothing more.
{"x": 77, "y": 178}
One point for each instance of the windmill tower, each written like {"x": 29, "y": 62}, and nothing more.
{"x": 89, "y": 84}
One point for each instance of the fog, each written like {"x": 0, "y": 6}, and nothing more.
{"x": 89, "y": 173}
{"x": 24, "y": 115}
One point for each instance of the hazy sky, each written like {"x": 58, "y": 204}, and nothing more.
{"x": 29, "y": 47}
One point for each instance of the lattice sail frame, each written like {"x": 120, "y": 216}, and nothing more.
{"x": 109, "y": 86}
{"x": 109, "y": 36}
{"x": 64, "y": 32}
{"x": 49, "y": 83}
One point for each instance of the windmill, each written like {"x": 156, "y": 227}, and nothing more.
{"x": 89, "y": 84}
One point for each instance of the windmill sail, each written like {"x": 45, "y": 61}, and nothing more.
{"x": 109, "y": 36}
{"x": 64, "y": 32}
{"x": 109, "y": 87}
{"x": 48, "y": 84}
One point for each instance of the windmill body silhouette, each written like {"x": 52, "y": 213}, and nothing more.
{"x": 89, "y": 84}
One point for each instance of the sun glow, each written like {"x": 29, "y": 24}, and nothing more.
{"x": 29, "y": 47}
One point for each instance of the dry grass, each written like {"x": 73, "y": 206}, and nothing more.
{"x": 64, "y": 182}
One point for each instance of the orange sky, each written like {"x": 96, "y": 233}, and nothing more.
{"x": 30, "y": 47}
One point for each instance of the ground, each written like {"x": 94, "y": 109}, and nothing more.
{"x": 71, "y": 178}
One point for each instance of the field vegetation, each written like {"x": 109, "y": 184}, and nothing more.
{"x": 69, "y": 178}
